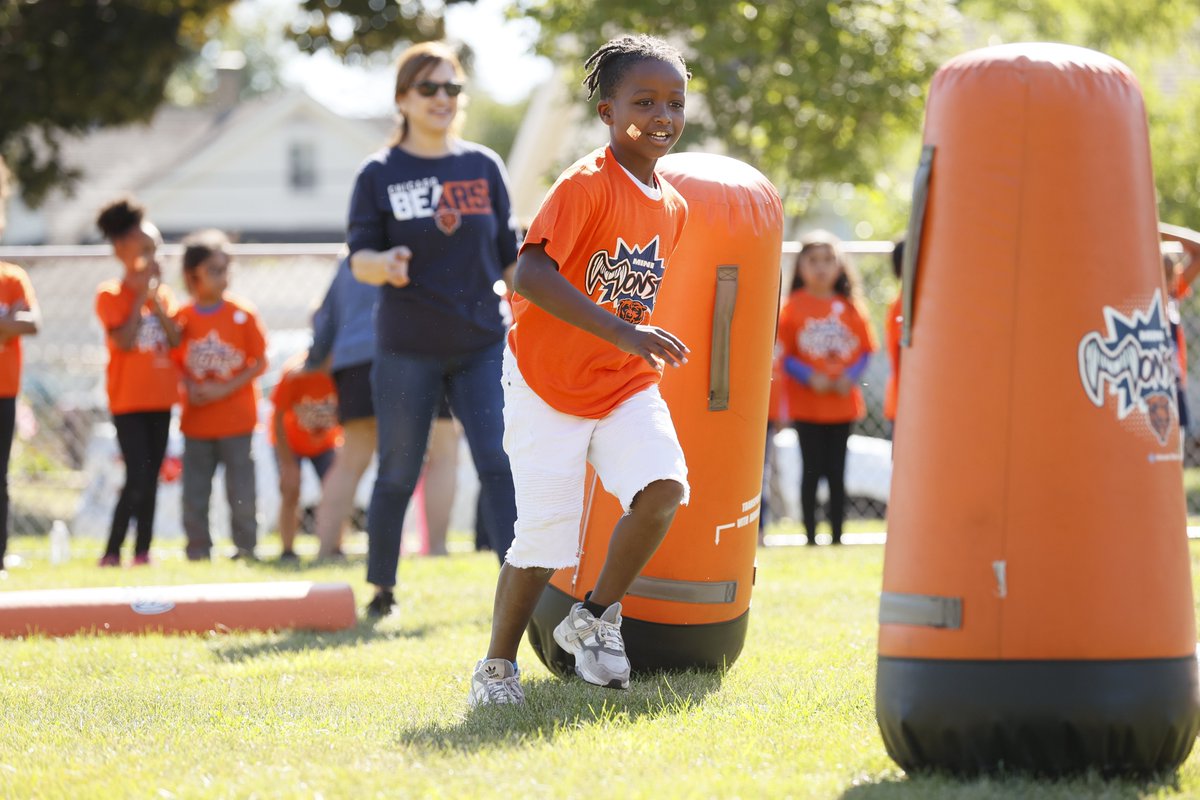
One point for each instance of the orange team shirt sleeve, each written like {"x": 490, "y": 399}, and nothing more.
{"x": 280, "y": 400}
{"x": 561, "y": 221}
{"x": 15, "y": 292}
{"x": 1179, "y": 287}
{"x": 113, "y": 305}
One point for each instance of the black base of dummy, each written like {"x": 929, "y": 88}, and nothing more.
{"x": 651, "y": 646}
{"x": 1050, "y": 718}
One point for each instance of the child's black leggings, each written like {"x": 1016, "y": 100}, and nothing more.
{"x": 8, "y": 418}
{"x": 142, "y": 436}
{"x": 823, "y": 451}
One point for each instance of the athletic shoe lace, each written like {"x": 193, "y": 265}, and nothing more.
{"x": 608, "y": 635}
{"x": 505, "y": 690}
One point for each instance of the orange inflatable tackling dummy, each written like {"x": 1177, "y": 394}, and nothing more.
{"x": 179, "y": 609}
{"x": 690, "y": 606}
{"x": 1037, "y": 607}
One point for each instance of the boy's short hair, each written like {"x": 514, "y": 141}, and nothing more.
{"x": 608, "y": 64}
{"x": 198, "y": 247}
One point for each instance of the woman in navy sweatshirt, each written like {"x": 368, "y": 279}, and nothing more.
{"x": 431, "y": 223}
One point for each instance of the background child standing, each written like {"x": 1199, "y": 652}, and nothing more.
{"x": 582, "y": 369}
{"x": 304, "y": 426}
{"x": 137, "y": 312}
{"x": 826, "y": 343}
{"x": 223, "y": 349}
{"x": 18, "y": 317}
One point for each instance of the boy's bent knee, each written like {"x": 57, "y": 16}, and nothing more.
{"x": 660, "y": 498}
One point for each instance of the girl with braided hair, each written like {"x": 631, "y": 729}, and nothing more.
{"x": 137, "y": 312}
{"x": 582, "y": 368}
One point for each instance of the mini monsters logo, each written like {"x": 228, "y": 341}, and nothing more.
{"x": 827, "y": 337}
{"x": 213, "y": 357}
{"x": 627, "y": 280}
{"x": 316, "y": 414}
{"x": 1134, "y": 358}
{"x": 151, "y": 338}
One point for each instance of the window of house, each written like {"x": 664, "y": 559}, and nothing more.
{"x": 302, "y": 165}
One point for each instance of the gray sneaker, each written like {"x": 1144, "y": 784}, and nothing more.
{"x": 496, "y": 682}
{"x": 596, "y": 644}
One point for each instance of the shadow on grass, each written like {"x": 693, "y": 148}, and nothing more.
{"x": 553, "y": 705}
{"x": 934, "y": 785}
{"x": 299, "y": 641}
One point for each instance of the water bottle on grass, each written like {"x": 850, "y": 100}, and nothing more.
{"x": 60, "y": 543}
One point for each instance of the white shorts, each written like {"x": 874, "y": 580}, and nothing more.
{"x": 630, "y": 448}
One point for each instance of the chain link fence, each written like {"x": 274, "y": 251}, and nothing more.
{"x": 62, "y": 454}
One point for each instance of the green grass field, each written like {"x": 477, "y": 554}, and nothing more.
{"x": 380, "y": 711}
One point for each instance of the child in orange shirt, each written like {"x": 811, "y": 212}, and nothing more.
{"x": 1179, "y": 276}
{"x": 223, "y": 349}
{"x": 304, "y": 425}
{"x": 137, "y": 313}
{"x": 582, "y": 369}
{"x": 18, "y": 317}
{"x": 827, "y": 343}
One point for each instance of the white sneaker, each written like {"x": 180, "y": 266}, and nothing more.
{"x": 496, "y": 682}
{"x": 596, "y": 644}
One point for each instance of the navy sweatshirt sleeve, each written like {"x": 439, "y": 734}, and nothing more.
{"x": 455, "y": 215}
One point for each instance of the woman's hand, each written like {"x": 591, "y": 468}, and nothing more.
{"x": 395, "y": 265}
{"x": 379, "y": 267}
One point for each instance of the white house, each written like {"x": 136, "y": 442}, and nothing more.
{"x": 279, "y": 167}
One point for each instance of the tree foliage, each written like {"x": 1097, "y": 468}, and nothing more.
{"x": 807, "y": 90}
{"x": 72, "y": 65}
{"x": 357, "y": 28}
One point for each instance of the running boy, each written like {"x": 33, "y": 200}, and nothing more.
{"x": 582, "y": 369}
{"x": 223, "y": 350}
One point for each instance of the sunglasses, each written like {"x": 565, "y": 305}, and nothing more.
{"x": 429, "y": 88}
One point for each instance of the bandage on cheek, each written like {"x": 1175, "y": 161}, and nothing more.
{"x": 634, "y": 131}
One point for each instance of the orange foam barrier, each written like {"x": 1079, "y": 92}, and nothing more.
{"x": 179, "y": 609}
{"x": 1037, "y": 604}
{"x": 690, "y": 607}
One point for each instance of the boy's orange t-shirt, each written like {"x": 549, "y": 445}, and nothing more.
{"x": 891, "y": 337}
{"x": 218, "y": 343}
{"x": 144, "y": 378}
{"x": 829, "y": 335}
{"x": 15, "y": 289}
{"x": 308, "y": 402}
{"x": 613, "y": 243}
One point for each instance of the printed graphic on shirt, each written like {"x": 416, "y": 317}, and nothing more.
{"x": 151, "y": 338}
{"x": 1133, "y": 357}
{"x": 445, "y": 202}
{"x": 827, "y": 337}
{"x": 628, "y": 279}
{"x": 316, "y": 414}
{"x": 213, "y": 357}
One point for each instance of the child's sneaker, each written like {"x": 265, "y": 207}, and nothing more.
{"x": 596, "y": 644}
{"x": 141, "y": 559}
{"x": 496, "y": 682}
{"x": 110, "y": 560}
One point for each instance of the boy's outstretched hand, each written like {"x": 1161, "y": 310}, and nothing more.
{"x": 653, "y": 344}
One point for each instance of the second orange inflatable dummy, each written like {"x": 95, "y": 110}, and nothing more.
{"x": 1037, "y": 604}
{"x": 690, "y": 606}
{"x": 179, "y": 609}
